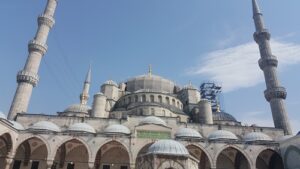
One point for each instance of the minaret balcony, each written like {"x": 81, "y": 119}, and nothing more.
{"x": 35, "y": 46}
{"x": 275, "y": 93}
{"x": 27, "y": 77}
{"x": 265, "y": 62}
{"x": 46, "y": 20}
{"x": 262, "y": 35}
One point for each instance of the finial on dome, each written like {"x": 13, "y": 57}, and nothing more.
{"x": 150, "y": 70}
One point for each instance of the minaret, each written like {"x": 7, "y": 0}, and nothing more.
{"x": 28, "y": 77}
{"x": 84, "y": 96}
{"x": 274, "y": 94}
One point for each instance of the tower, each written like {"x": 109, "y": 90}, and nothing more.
{"x": 28, "y": 77}
{"x": 84, "y": 96}
{"x": 274, "y": 94}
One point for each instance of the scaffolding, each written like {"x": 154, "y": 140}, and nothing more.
{"x": 211, "y": 92}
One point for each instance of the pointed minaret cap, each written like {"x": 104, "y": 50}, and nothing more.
{"x": 255, "y": 7}
{"x": 150, "y": 70}
{"x": 88, "y": 75}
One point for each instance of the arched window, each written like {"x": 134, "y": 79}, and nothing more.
{"x": 136, "y": 98}
{"x": 173, "y": 102}
{"x": 144, "y": 98}
{"x": 152, "y": 98}
{"x": 152, "y": 111}
{"x": 159, "y": 99}
{"x": 167, "y": 100}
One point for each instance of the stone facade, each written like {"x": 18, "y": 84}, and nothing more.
{"x": 146, "y": 122}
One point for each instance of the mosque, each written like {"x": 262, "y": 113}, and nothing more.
{"x": 146, "y": 122}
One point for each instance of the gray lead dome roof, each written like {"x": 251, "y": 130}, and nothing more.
{"x": 256, "y": 136}
{"x": 151, "y": 82}
{"x": 45, "y": 125}
{"x": 188, "y": 133}
{"x": 116, "y": 129}
{"x": 168, "y": 147}
{"x": 81, "y": 127}
{"x": 222, "y": 134}
{"x": 153, "y": 120}
{"x": 223, "y": 116}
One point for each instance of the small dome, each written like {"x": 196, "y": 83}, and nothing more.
{"x": 78, "y": 108}
{"x": 17, "y": 125}
{"x": 99, "y": 94}
{"x": 223, "y": 116}
{"x": 222, "y": 134}
{"x": 153, "y": 120}
{"x": 110, "y": 82}
{"x": 45, "y": 125}
{"x": 2, "y": 115}
{"x": 116, "y": 129}
{"x": 283, "y": 138}
{"x": 256, "y": 136}
{"x": 81, "y": 127}
{"x": 188, "y": 133}
{"x": 168, "y": 147}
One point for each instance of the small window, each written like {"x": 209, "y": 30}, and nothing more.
{"x": 136, "y": 98}
{"x": 159, "y": 99}
{"x": 167, "y": 100}
{"x": 144, "y": 98}
{"x": 152, "y": 98}
{"x": 124, "y": 167}
{"x": 173, "y": 102}
{"x": 152, "y": 111}
{"x": 35, "y": 165}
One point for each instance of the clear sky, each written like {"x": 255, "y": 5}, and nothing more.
{"x": 184, "y": 40}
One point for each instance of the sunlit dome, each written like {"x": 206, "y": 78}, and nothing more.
{"x": 81, "y": 127}
{"x": 168, "y": 147}
{"x": 110, "y": 82}
{"x": 116, "y": 129}
{"x": 45, "y": 125}
{"x": 188, "y": 133}
{"x": 256, "y": 136}
{"x": 2, "y": 115}
{"x": 222, "y": 134}
{"x": 150, "y": 82}
{"x": 153, "y": 120}
{"x": 17, "y": 125}
{"x": 78, "y": 108}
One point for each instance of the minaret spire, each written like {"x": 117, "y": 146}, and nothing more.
{"x": 274, "y": 94}
{"x": 28, "y": 77}
{"x": 84, "y": 96}
{"x": 150, "y": 70}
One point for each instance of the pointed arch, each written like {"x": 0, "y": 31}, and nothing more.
{"x": 268, "y": 158}
{"x": 234, "y": 159}
{"x": 202, "y": 158}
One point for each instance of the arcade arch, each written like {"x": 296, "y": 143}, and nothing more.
{"x": 232, "y": 158}
{"x": 269, "y": 159}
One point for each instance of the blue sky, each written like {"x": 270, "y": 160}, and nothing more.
{"x": 193, "y": 40}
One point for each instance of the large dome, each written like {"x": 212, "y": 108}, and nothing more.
{"x": 152, "y": 82}
{"x": 152, "y": 120}
{"x": 256, "y": 136}
{"x": 116, "y": 129}
{"x": 168, "y": 147}
{"x": 188, "y": 133}
{"x": 222, "y": 135}
{"x": 45, "y": 125}
{"x": 81, "y": 127}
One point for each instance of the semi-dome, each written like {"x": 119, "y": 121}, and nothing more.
{"x": 256, "y": 136}
{"x": 223, "y": 135}
{"x": 223, "y": 116}
{"x": 78, "y": 108}
{"x": 81, "y": 127}
{"x": 2, "y": 115}
{"x": 188, "y": 133}
{"x": 110, "y": 82}
{"x": 116, "y": 129}
{"x": 168, "y": 147}
{"x": 153, "y": 120}
{"x": 151, "y": 82}
{"x": 17, "y": 125}
{"x": 45, "y": 125}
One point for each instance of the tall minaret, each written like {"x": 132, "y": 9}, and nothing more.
{"x": 84, "y": 96}
{"x": 28, "y": 77}
{"x": 274, "y": 94}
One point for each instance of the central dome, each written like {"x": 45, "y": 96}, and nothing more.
{"x": 151, "y": 82}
